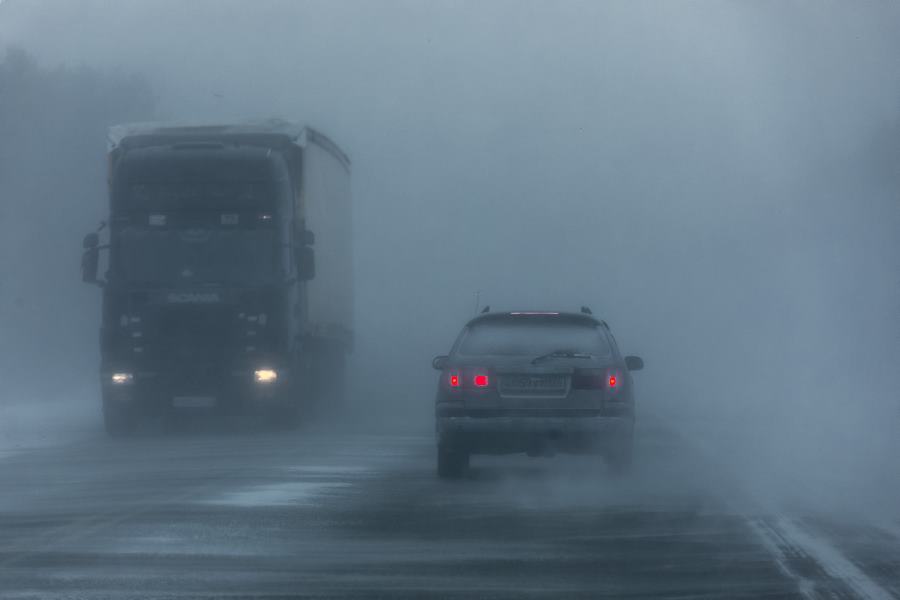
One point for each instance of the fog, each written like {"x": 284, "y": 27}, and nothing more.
{"x": 717, "y": 180}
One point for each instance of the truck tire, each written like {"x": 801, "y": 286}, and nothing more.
{"x": 285, "y": 418}
{"x": 451, "y": 463}
{"x": 328, "y": 380}
{"x": 119, "y": 420}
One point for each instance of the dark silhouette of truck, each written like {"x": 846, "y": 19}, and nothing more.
{"x": 228, "y": 273}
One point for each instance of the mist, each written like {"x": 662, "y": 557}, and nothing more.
{"x": 717, "y": 180}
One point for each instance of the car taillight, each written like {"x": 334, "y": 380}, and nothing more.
{"x": 469, "y": 378}
{"x": 612, "y": 381}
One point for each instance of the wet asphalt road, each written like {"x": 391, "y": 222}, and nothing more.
{"x": 276, "y": 515}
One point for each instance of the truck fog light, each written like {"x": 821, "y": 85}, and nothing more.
{"x": 265, "y": 375}
{"x": 122, "y": 378}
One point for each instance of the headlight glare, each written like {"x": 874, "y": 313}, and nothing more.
{"x": 122, "y": 378}
{"x": 265, "y": 375}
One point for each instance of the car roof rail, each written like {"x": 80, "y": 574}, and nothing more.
{"x": 586, "y": 310}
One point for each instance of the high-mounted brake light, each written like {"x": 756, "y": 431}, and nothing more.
{"x": 454, "y": 380}
{"x": 480, "y": 380}
{"x": 612, "y": 381}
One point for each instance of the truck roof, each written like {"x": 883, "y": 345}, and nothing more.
{"x": 267, "y": 133}
{"x": 200, "y": 163}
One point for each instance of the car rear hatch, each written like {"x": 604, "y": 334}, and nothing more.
{"x": 516, "y": 385}
{"x": 544, "y": 390}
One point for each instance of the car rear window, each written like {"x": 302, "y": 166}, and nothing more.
{"x": 533, "y": 337}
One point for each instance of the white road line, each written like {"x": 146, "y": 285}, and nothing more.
{"x": 776, "y": 545}
{"x": 786, "y": 540}
{"x": 783, "y": 537}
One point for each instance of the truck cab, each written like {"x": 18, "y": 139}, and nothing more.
{"x": 209, "y": 278}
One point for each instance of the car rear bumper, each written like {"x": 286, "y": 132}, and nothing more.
{"x": 597, "y": 425}
{"x": 502, "y": 434}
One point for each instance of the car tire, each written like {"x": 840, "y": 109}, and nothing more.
{"x": 620, "y": 455}
{"x": 451, "y": 463}
{"x": 118, "y": 420}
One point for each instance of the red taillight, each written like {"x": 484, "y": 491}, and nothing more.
{"x": 454, "y": 380}
{"x": 612, "y": 381}
{"x": 480, "y": 380}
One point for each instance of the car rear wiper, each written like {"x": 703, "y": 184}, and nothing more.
{"x": 561, "y": 354}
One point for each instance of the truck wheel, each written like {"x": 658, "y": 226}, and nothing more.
{"x": 285, "y": 418}
{"x": 619, "y": 456}
{"x": 285, "y": 415}
{"x": 451, "y": 464}
{"x": 118, "y": 420}
{"x": 328, "y": 380}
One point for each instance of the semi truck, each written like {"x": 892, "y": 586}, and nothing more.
{"x": 227, "y": 283}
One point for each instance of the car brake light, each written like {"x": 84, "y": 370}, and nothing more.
{"x": 612, "y": 381}
{"x": 454, "y": 380}
{"x": 480, "y": 381}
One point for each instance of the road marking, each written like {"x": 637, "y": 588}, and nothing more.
{"x": 777, "y": 547}
{"x": 787, "y": 540}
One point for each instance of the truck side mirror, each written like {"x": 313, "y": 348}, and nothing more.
{"x": 306, "y": 262}
{"x": 634, "y": 363}
{"x": 91, "y": 240}
{"x": 89, "y": 262}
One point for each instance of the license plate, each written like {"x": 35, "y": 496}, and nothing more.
{"x": 193, "y": 401}
{"x": 528, "y": 382}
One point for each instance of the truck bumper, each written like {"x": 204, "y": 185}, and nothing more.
{"x": 152, "y": 393}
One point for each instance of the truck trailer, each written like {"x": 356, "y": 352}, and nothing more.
{"x": 228, "y": 271}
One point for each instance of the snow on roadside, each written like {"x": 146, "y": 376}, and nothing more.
{"x": 28, "y": 425}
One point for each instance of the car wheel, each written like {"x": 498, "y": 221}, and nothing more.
{"x": 619, "y": 456}
{"x": 451, "y": 463}
{"x": 119, "y": 420}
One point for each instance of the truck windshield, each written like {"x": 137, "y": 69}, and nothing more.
{"x": 187, "y": 195}
{"x": 533, "y": 337}
{"x": 186, "y": 256}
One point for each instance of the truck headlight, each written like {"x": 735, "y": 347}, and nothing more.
{"x": 265, "y": 375}
{"x": 122, "y": 378}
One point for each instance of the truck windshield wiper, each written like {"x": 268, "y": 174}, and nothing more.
{"x": 561, "y": 354}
